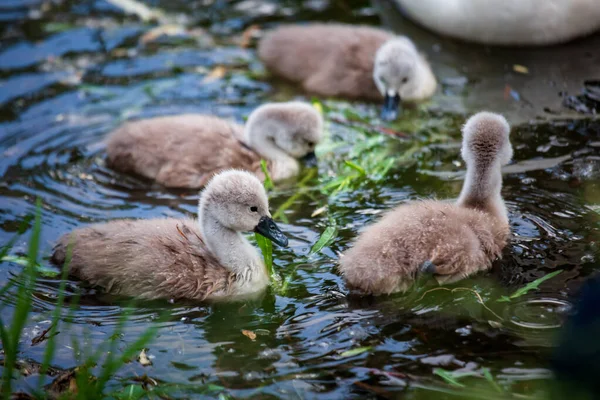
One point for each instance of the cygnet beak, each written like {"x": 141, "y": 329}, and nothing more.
{"x": 310, "y": 159}
{"x": 425, "y": 273}
{"x": 267, "y": 227}
{"x": 391, "y": 106}
{"x": 427, "y": 268}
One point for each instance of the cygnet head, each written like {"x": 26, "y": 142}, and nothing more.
{"x": 293, "y": 128}
{"x": 237, "y": 201}
{"x": 486, "y": 140}
{"x": 395, "y": 72}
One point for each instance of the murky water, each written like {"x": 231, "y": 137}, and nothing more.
{"x": 70, "y": 77}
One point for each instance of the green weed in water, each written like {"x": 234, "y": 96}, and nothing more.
{"x": 266, "y": 247}
{"x": 448, "y": 377}
{"x": 268, "y": 183}
{"x": 10, "y": 336}
{"x": 107, "y": 358}
{"x": 327, "y": 237}
{"x": 530, "y": 286}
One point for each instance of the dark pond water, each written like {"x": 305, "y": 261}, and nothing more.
{"x": 72, "y": 71}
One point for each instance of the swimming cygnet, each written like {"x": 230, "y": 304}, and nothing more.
{"x": 184, "y": 151}
{"x": 355, "y": 62}
{"x": 181, "y": 259}
{"x": 448, "y": 241}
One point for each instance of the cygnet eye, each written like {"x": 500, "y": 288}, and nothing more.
{"x": 310, "y": 144}
{"x": 404, "y": 80}
{"x": 254, "y": 209}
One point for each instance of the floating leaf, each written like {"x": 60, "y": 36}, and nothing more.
{"x": 521, "y": 69}
{"x": 217, "y": 73}
{"x": 268, "y": 183}
{"x": 130, "y": 392}
{"x": 356, "y": 351}
{"x": 160, "y": 31}
{"x": 249, "y": 334}
{"x": 143, "y": 358}
{"x": 318, "y": 211}
{"x": 139, "y": 9}
{"x": 266, "y": 247}
{"x": 183, "y": 366}
{"x": 326, "y": 238}
{"x": 530, "y": 286}
{"x": 54, "y": 27}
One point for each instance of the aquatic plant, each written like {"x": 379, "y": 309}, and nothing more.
{"x": 80, "y": 382}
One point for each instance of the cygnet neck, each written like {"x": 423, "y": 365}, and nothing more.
{"x": 232, "y": 250}
{"x": 262, "y": 141}
{"x": 482, "y": 189}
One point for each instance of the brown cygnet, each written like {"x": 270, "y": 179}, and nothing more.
{"x": 450, "y": 241}
{"x": 184, "y": 151}
{"x": 354, "y": 62}
{"x": 181, "y": 259}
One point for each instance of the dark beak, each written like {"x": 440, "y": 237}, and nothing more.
{"x": 267, "y": 227}
{"x": 391, "y": 106}
{"x": 310, "y": 160}
{"x": 425, "y": 273}
{"x": 427, "y": 268}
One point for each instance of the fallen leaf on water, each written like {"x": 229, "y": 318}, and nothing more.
{"x": 143, "y": 358}
{"x": 139, "y": 9}
{"x": 65, "y": 383}
{"x": 217, "y": 73}
{"x": 356, "y": 351}
{"x": 42, "y": 336}
{"x": 162, "y": 30}
{"x": 318, "y": 211}
{"x": 495, "y": 324}
{"x": 145, "y": 380}
{"x": 521, "y": 69}
{"x": 249, "y": 334}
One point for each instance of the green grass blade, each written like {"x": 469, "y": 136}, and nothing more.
{"x": 384, "y": 168}
{"x": 488, "y": 377}
{"x": 356, "y": 167}
{"x": 266, "y": 247}
{"x": 268, "y": 183}
{"x": 328, "y": 236}
{"x": 23, "y": 305}
{"x": 530, "y": 286}
{"x": 55, "y": 320}
{"x": 448, "y": 377}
